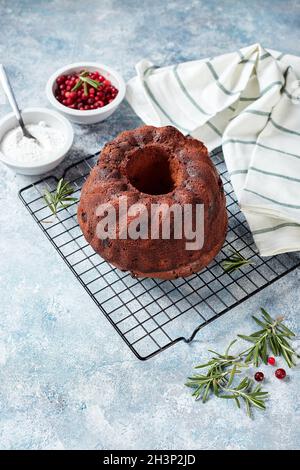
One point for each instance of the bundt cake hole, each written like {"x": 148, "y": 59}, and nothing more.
{"x": 152, "y": 171}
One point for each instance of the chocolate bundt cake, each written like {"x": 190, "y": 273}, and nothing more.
{"x": 152, "y": 165}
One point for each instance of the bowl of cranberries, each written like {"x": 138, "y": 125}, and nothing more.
{"x": 86, "y": 92}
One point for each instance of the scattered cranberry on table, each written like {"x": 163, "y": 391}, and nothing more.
{"x": 85, "y": 91}
{"x": 271, "y": 361}
{"x": 280, "y": 374}
{"x": 259, "y": 376}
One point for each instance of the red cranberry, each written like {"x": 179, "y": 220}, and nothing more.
{"x": 280, "y": 374}
{"x": 95, "y": 98}
{"x": 259, "y": 376}
{"x": 271, "y": 361}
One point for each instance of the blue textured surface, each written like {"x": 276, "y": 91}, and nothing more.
{"x": 66, "y": 378}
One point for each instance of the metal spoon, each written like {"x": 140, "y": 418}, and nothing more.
{"x": 12, "y": 100}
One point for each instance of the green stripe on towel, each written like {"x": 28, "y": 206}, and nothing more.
{"x": 209, "y": 124}
{"x": 278, "y": 82}
{"x": 238, "y": 172}
{"x": 292, "y": 206}
{"x": 247, "y": 61}
{"x": 152, "y": 97}
{"x": 280, "y": 56}
{"x": 253, "y": 142}
{"x": 186, "y": 93}
{"x": 264, "y": 56}
{"x": 216, "y": 77}
{"x": 277, "y": 227}
{"x": 256, "y": 111}
{"x": 245, "y": 98}
{"x": 244, "y": 60}
{"x": 278, "y": 175}
{"x": 239, "y": 141}
{"x": 284, "y": 129}
{"x": 269, "y": 173}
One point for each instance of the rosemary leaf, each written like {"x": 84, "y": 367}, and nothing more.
{"x": 61, "y": 197}
{"x": 222, "y": 369}
{"x": 93, "y": 83}
{"x": 85, "y": 89}
{"x": 234, "y": 262}
{"x": 77, "y": 86}
{"x": 248, "y": 338}
{"x": 273, "y": 336}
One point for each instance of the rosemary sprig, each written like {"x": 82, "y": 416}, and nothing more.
{"x": 60, "y": 197}
{"x": 84, "y": 80}
{"x": 234, "y": 262}
{"x": 85, "y": 89}
{"x": 92, "y": 82}
{"x": 77, "y": 86}
{"x": 222, "y": 369}
{"x": 250, "y": 394}
{"x": 273, "y": 336}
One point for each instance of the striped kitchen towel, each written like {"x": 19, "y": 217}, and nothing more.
{"x": 249, "y": 102}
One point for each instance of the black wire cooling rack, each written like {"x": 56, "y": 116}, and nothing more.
{"x": 152, "y": 314}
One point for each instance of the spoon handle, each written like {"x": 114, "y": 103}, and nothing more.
{"x": 10, "y": 95}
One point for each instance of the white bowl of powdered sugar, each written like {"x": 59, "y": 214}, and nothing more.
{"x": 54, "y": 138}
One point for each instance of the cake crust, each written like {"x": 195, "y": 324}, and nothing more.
{"x": 174, "y": 169}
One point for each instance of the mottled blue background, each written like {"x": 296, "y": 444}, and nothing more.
{"x": 66, "y": 378}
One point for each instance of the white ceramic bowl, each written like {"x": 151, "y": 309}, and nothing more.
{"x": 34, "y": 116}
{"x": 93, "y": 115}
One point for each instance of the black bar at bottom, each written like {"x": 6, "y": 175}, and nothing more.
{"x": 151, "y": 458}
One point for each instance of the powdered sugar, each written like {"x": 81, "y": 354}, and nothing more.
{"x": 16, "y": 146}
